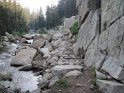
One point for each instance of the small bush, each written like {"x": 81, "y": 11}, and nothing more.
{"x": 62, "y": 83}
{"x": 42, "y": 31}
{"x": 93, "y": 81}
{"x": 74, "y": 28}
{"x": 15, "y": 33}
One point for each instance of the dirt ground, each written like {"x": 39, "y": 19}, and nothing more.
{"x": 76, "y": 84}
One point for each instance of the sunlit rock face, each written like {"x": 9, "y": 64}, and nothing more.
{"x": 100, "y": 39}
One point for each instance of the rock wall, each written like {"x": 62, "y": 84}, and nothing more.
{"x": 101, "y": 39}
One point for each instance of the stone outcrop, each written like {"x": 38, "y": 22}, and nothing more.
{"x": 88, "y": 31}
{"x": 85, "y": 6}
{"x": 101, "y": 39}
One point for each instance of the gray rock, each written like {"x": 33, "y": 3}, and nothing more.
{"x": 63, "y": 69}
{"x": 45, "y": 80}
{"x": 78, "y": 2}
{"x": 46, "y": 91}
{"x": 52, "y": 61}
{"x": 45, "y": 52}
{"x": 38, "y": 43}
{"x": 56, "y": 43}
{"x": 113, "y": 69}
{"x": 28, "y": 36}
{"x": 53, "y": 81}
{"x": 68, "y": 22}
{"x": 112, "y": 10}
{"x": 24, "y": 57}
{"x": 74, "y": 73}
{"x": 37, "y": 91}
{"x": 100, "y": 75}
{"x": 85, "y": 6}
{"x": 38, "y": 63}
{"x": 57, "y": 35}
{"x": 88, "y": 31}
{"x": 110, "y": 86}
{"x": 5, "y": 76}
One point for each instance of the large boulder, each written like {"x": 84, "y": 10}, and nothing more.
{"x": 38, "y": 43}
{"x": 60, "y": 70}
{"x": 24, "y": 57}
{"x": 112, "y": 10}
{"x": 110, "y": 86}
{"x": 113, "y": 69}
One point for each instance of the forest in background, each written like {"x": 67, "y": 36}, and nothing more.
{"x": 16, "y": 19}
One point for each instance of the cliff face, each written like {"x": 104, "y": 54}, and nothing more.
{"x": 101, "y": 36}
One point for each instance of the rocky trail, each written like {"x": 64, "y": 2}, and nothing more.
{"x": 51, "y": 59}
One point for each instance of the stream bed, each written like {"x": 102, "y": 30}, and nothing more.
{"x": 20, "y": 79}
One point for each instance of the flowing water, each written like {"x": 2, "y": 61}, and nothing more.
{"x": 21, "y": 79}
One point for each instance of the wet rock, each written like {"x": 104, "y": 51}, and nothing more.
{"x": 26, "y": 68}
{"x": 44, "y": 82}
{"x": 39, "y": 63}
{"x": 38, "y": 43}
{"x": 24, "y": 57}
{"x": 63, "y": 69}
{"x": 110, "y": 86}
{"x": 3, "y": 89}
{"x": 5, "y": 76}
{"x": 37, "y": 91}
{"x": 74, "y": 73}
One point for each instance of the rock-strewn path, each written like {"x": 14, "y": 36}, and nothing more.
{"x": 52, "y": 58}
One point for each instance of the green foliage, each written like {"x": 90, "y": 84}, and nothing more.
{"x": 18, "y": 33}
{"x": 62, "y": 83}
{"x": 56, "y": 14}
{"x": 74, "y": 28}
{"x": 42, "y": 31}
{"x": 93, "y": 81}
{"x": 12, "y": 17}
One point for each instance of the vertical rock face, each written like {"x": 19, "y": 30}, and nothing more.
{"x": 101, "y": 39}
{"x": 85, "y": 6}
{"x": 88, "y": 31}
{"x": 112, "y": 10}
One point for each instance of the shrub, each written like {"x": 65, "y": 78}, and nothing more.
{"x": 62, "y": 83}
{"x": 93, "y": 81}
{"x": 74, "y": 28}
{"x": 15, "y": 33}
{"x": 42, "y": 31}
